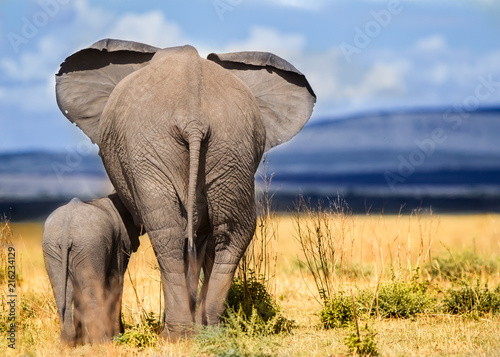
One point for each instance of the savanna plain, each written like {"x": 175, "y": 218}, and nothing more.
{"x": 419, "y": 284}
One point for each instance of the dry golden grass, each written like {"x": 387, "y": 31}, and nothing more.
{"x": 377, "y": 242}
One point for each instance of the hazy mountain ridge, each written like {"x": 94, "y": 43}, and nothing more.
{"x": 383, "y": 141}
{"x": 401, "y": 130}
{"x": 51, "y": 164}
{"x": 399, "y": 156}
{"x": 440, "y": 158}
{"x": 42, "y": 176}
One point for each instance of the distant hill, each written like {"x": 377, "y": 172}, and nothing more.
{"x": 374, "y": 141}
{"x": 443, "y": 158}
{"x": 32, "y": 184}
{"x": 70, "y": 163}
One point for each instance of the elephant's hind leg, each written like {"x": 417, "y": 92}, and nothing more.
{"x": 169, "y": 247}
{"x": 113, "y": 302}
{"x": 165, "y": 224}
{"x": 58, "y": 279}
{"x": 89, "y": 284}
{"x": 207, "y": 261}
{"x": 233, "y": 229}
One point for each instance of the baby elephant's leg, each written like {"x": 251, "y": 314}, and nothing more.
{"x": 90, "y": 291}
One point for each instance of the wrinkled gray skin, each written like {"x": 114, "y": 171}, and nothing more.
{"x": 181, "y": 138}
{"x": 86, "y": 248}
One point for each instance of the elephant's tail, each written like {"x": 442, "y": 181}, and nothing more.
{"x": 194, "y": 163}
{"x": 66, "y": 245}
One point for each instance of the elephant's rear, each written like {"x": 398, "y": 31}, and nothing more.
{"x": 150, "y": 123}
{"x": 181, "y": 140}
{"x": 56, "y": 244}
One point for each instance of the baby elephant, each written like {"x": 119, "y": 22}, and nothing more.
{"x": 86, "y": 248}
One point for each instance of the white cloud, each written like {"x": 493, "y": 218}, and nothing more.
{"x": 34, "y": 65}
{"x": 269, "y": 40}
{"x": 36, "y": 97}
{"x": 312, "y": 5}
{"x": 431, "y": 44}
{"x": 380, "y": 79}
{"x": 31, "y": 73}
{"x": 151, "y": 28}
{"x": 490, "y": 62}
{"x": 89, "y": 25}
{"x": 425, "y": 71}
{"x": 439, "y": 73}
{"x": 30, "y": 78}
{"x": 92, "y": 17}
{"x": 445, "y": 74}
{"x": 335, "y": 82}
{"x": 322, "y": 72}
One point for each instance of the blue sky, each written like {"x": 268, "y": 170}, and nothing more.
{"x": 358, "y": 55}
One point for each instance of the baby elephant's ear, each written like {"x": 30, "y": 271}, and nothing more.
{"x": 283, "y": 94}
{"x": 87, "y": 78}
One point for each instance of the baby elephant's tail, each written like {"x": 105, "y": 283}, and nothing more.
{"x": 66, "y": 244}
{"x": 65, "y": 248}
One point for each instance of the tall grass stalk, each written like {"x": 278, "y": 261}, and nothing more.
{"x": 323, "y": 235}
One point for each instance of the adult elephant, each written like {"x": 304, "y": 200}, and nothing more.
{"x": 181, "y": 138}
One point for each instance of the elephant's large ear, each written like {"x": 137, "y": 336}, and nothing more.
{"x": 283, "y": 94}
{"x": 87, "y": 78}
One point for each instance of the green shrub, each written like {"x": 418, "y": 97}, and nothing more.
{"x": 362, "y": 342}
{"x": 4, "y": 315}
{"x": 238, "y": 336}
{"x": 399, "y": 299}
{"x": 143, "y": 335}
{"x": 27, "y": 311}
{"x": 251, "y": 302}
{"x": 475, "y": 299}
{"x": 393, "y": 299}
{"x": 251, "y": 294}
{"x": 237, "y": 323}
{"x": 337, "y": 311}
{"x": 462, "y": 265}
